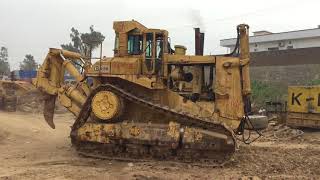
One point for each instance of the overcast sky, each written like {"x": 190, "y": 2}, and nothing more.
{"x": 33, "y": 26}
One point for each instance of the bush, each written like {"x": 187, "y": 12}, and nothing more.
{"x": 262, "y": 92}
{"x": 314, "y": 82}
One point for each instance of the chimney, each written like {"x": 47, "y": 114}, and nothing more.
{"x": 199, "y": 41}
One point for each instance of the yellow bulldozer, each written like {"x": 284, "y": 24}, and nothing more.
{"x": 151, "y": 100}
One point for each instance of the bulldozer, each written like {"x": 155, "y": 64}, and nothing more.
{"x": 152, "y": 101}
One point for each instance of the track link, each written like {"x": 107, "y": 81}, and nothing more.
{"x": 123, "y": 151}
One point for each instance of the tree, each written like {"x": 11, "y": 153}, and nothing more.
{"x": 4, "y": 64}
{"x": 76, "y": 45}
{"x": 28, "y": 63}
{"x": 84, "y": 43}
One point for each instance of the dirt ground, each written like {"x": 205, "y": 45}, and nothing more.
{"x": 31, "y": 150}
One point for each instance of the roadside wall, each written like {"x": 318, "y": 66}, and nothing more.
{"x": 302, "y": 74}
{"x": 287, "y": 67}
{"x": 273, "y": 71}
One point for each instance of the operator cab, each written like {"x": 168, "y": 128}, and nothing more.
{"x": 135, "y": 40}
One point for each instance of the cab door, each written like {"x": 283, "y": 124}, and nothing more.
{"x": 154, "y": 51}
{"x": 159, "y": 51}
{"x": 148, "y": 59}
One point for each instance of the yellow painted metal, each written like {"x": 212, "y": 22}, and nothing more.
{"x": 98, "y": 132}
{"x": 106, "y": 105}
{"x": 148, "y": 82}
{"x": 131, "y": 71}
{"x": 180, "y": 50}
{"x": 208, "y": 110}
{"x": 188, "y": 59}
{"x": 72, "y": 70}
{"x": 103, "y": 132}
{"x": 304, "y": 106}
{"x": 229, "y": 101}
{"x": 125, "y": 66}
{"x": 245, "y": 56}
{"x": 65, "y": 53}
{"x": 117, "y": 65}
{"x": 101, "y": 67}
{"x": 197, "y": 79}
{"x": 174, "y": 130}
{"x": 311, "y": 120}
{"x": 76, "y": 95}
{"x": 134, "y": 131}
{"x": 314, "y": 99}
{"x": 297, "y": 98}
{"x": 122, "y": 28}
{"x": 69, "y": 103}
{"x": 48, "y": 77}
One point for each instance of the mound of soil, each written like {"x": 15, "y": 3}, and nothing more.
{"x": 32, "y": 102}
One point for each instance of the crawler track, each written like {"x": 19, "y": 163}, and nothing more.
{"x": 141, "y": 151}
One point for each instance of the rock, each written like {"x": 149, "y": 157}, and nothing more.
{"x": 250, "y": 178}
{"x": 130, "y": 164}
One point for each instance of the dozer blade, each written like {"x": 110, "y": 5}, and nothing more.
{"x": 48, "y": 110}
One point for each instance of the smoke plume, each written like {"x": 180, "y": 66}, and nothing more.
{"x": 197, "y": 19}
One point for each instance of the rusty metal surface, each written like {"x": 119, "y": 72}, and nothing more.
{"x": 161, "y": 121}
{"x": 198, "y": 135}
{"x": 199, "y": 41}
{"x": 48, "y": 109}
{"x": 303, "y": 120}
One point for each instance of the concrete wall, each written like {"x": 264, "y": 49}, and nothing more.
{"x": 286, "y": 57}
{"x": 286, "y": 75}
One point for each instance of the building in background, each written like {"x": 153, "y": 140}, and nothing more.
{"x": 282, "y": 59}
{"x": 268, "y": 41}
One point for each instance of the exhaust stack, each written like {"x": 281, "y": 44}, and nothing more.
{"x": 198, "y": 71}
{"x": 199, "y": 41}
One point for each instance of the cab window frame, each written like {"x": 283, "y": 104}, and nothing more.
{"x": 135, "y": 44}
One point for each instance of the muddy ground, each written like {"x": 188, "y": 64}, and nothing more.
{"x": 31, "y": 150}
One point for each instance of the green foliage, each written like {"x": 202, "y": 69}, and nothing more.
{"x": 84, "y": 43}
{"x": 314, "y": 82}
{"x": 70, "y": 47}
{"x": 4, "y": 64}
{"x": 28, "y": 63}
{"x": 262, "y": 92}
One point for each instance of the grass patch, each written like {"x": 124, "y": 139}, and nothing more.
{"x": 314, "y": 82}
{"x": 262, "y": 92}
